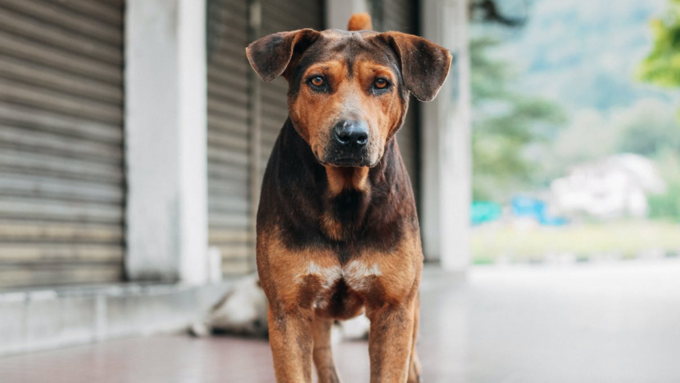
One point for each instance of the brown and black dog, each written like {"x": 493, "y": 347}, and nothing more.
{"x": 337, "y": 229}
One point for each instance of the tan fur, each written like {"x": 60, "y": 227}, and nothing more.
{"x": 323, "y": 354}
{"x": 365, "y": 254}
{"x": 414, "y": 363}
{"x": 340, "y": 179}
{"x": 360, "y": 22}
{"x": 331, "y": 227}
{"x": 383, "y": 114}
{"x": 297, "y": 299}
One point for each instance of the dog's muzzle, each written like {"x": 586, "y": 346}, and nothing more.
{"x": 349, "y": 144}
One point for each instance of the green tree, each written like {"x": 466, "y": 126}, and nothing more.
{"x": 667, "y": 205}
{"x": 505, "y": 125}
{"x": 648, "y": 129}
{"x": 651, "y": 130}
{"x": 662, "y": 66}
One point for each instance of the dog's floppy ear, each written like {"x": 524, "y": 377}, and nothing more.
{"x": 424, "y": 64}
{"x": 270, "y": 55}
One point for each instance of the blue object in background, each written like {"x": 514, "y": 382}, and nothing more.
{"x": 483, "y": 212}
{"x": 535, "y": 208}
{"x": 522, "y": 207}
{"x": 527, "y": 207}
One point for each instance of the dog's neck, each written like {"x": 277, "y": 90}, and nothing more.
{"x": 343, "y": 203}
{"x": 340, "y": 179}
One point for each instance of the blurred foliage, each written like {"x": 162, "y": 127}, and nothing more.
{"x": 649, "y": 134}
{"x": 654, "y": 133}
{"x": 662, "y": 66}
{"x": 648, "y": 128}
{"x": 667, "y": 205}
{"x": 505, "y": 125}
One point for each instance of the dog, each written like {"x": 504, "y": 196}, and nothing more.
{"x": 242, "y": 310}
{"x": 337, "y": 229}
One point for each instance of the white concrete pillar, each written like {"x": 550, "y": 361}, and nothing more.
{"x": 446, "y": 178}
{"x": 338, "y": 12}
{"x": 165, "y": 125}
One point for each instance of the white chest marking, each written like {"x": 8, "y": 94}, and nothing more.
{"x": 327, "y": 275}
{"x": 356, "y": 274}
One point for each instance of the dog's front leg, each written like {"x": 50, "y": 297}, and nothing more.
{"x": 291, "y": 341}
{"x": 390, "y": 342}
{"x": 323, "y": 353}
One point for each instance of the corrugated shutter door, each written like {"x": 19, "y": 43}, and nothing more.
{"x": 229, "y": 164}
{"x": 280, "y": 16}
{"x": 61, "y": 142}
{"x": 401, "y": 16}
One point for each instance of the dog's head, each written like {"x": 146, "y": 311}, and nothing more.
{"x": 348, "y": 90}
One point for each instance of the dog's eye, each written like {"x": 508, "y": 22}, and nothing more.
{"x": 380, "y": 83}
{"x": 317, "y": 81}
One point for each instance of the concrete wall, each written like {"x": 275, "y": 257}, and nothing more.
{"x": 167, "y": 202}
{"x": 165, "y": 125}
{"x": 446, "y": 140}
{"x": 51, "y": 318}
{"x": 166, "y": 222}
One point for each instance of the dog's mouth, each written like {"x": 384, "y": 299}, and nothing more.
{"x": 348, "y": 162}
{"x": 336, "y": 157}
{"x": 354, "y": 160}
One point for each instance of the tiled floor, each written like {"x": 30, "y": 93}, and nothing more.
{"x": 582, "y": 323}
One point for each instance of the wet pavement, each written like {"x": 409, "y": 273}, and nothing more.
{"x": 528, "y": 324}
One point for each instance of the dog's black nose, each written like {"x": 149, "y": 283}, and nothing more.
{"x": 351, "y": 133}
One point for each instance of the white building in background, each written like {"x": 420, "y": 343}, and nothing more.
{"x": 613, "y": 187}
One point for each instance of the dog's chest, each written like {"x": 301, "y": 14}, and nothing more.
{"x": 339, "y": 289}
{"x": 357, "y": 275}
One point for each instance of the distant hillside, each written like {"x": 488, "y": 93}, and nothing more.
{"x": 583, "y": 53}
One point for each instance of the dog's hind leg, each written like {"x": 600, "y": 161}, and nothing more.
{"x": 414, "y": 364}
{"x": 323, "y": 354}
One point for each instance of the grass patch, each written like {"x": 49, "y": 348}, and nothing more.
{"x": 582, "y": 242}
{"x": 483, "y": 261}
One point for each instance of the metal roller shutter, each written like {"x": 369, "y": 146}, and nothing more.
{"x": 230, "y": 197}
{"x": 62, "y": 186}
{"x": 244, "y": 118}
{"x": 402, "y": 16}
{"x": 279, "y": 16}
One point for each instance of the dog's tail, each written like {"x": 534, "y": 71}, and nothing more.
{"x": 360, "y": 22}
